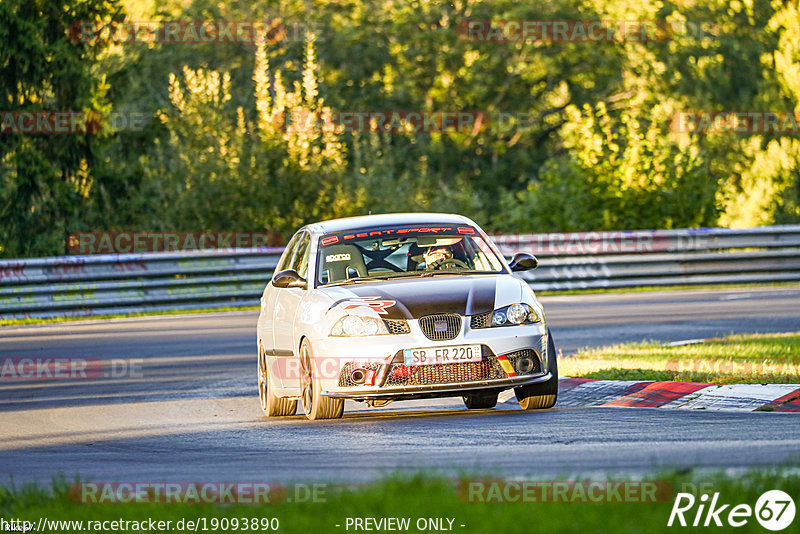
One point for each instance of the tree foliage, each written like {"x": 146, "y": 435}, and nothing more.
{"x": 47, "y": 182}
{"x": 580, "y": 134}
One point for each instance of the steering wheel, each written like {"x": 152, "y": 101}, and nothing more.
{"x": 441, "y": 264}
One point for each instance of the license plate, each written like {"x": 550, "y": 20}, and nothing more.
{"x": 454, "y": 354}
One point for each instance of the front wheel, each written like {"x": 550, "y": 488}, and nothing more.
{"x": 315, "y": 406}
{"x": 544, "y": 394}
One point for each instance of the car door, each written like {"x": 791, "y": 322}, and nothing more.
{"x": 287, "y": 301}
{"x": 266, "y": 319}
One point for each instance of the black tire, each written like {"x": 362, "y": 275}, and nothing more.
{"x": 315, "y": 405}
{"x": 480, "y": 400}
{"x": 272, "y": 405}
{"x": 544, "y": 394}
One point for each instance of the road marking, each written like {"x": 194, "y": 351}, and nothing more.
{"x": 736, "y": 297}
{"x": 735, "y": 397}
{"x": 686, "y": 342}
{"x": 582, "y": 392}
{"x": 657, "y": 394}
{"x": 599, "y": 392}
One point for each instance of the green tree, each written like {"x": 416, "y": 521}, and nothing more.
{"x": 47, "y": 183}
{"x": 222, "y": 167}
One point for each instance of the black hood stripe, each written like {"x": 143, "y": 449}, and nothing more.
{"x": 481, "y": 298}
{"x": 419, "y": 297}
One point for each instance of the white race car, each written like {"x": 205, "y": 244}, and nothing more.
{"x": 400, "y": 306}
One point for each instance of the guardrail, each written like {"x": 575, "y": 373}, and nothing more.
{"x": 591, "y": 260}
{"x": 129, "y": 283}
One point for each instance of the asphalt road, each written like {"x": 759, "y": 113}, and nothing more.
{"x": 183, "y": 406}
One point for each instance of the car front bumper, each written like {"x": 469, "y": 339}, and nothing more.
{"x": 438, "y": 390}
{"x": 381, "y": 354}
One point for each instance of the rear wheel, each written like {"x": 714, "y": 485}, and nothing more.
{"x": 315, "y": 406}
{"x": 272, "y": 405}
{"x": 480, "y": 400}
{"x": 544, "y": 394}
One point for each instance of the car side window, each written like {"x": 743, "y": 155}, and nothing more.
{"x": 288, "y": 253}
{"x": 300, "y": 260}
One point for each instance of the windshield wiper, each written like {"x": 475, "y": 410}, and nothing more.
{"x": 357, "y": 279}
{"x": 450, "y": 272}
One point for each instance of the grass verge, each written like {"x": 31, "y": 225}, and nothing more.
{"x": 748, "y": 359}
{"x": 415, "y": 498}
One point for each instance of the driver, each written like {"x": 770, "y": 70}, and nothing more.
{"x": 435, "y": 256}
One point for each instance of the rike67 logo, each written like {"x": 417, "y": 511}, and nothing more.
{"x": 774, "y": 510}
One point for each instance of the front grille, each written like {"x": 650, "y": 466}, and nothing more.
{"x": 441, "y": 327}
{"x": 397, "y": 326}
{"x": 525, "y": 362}
{"x": 420, "y": 375}
{"x": 483, "y": 320}
{"x": 347, "y": 369}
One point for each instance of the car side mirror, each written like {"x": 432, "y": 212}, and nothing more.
{"x": 289, "y": 278}
{"x": 522, "y": 261}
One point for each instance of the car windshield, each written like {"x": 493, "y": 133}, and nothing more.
{"x": 381, "y": 253}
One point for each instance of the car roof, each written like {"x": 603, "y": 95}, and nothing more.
{"x": 386, "y": 219}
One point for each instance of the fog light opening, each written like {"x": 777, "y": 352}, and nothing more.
{"x": 525, "y": 365}
{"x": 358, "y": 376}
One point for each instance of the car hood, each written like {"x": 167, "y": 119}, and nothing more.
{"x": 411, "y": 298}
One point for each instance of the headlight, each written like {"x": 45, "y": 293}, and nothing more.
{"x": 358, "y": 325}
{"x": 515, "y": 314}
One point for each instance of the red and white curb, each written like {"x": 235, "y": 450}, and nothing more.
{"x": 581, "y": 392}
